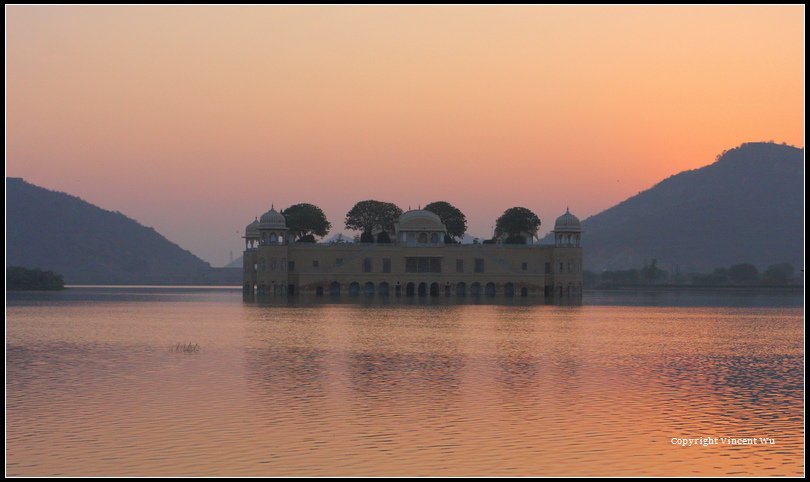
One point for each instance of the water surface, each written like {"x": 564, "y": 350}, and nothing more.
{"x": 374, "y": 388}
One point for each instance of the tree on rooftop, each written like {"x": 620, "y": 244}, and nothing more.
{"x": 451, "y": 216}
{"x": 305, "y": 220}
{"x": 370, "y": 216}
{"x": 517, "y": 221}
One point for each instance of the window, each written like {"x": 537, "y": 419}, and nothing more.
{"x": 367, "y": 265}
{"x": 524, "y": 266}
{"x": 459, "y": 266}
{"x": 423, "y": 265}
{"x": 561, "y": 268}
{"x": 423, "y": 238}
{"x": 569, "y": 266}
{"x": 272, "y": 264}
{"x": 314, "y": 263}
{"x": 434, "y": 238}
{"x": 386, "y": 265}
{"x": 283, "y": 264}
{"x": 291, "y": 266}
{"x": 548, "y": 268}
{"x": 479, "y": 265}
{"x": 339, "y": 262}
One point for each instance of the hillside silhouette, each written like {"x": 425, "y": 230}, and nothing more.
{"x": 86, "y": 244}
{"x": 747, "y": 207}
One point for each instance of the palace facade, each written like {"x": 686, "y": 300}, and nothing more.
{"x": 416, "y": 262}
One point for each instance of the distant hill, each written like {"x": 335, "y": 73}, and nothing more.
{"x": 86, "y": 244}
{"x": 746, "y": 207}
{"x": 236, "y": 263}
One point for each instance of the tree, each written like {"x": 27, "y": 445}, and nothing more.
{"x": 515, "y": 239}
{"x": 779, "y": 273}
{"x": 370, "y": 216}
{"x": 650, "y": 273}
{"x": 306, "y": 220}
{"x": 452, "y": 217}
{"x": 19, "y": 278}
{"x": 743, "y": 273}
{"x": 517, "y": 221}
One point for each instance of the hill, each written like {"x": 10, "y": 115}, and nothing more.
{"x": 88, "y": 245}
{"x": 745, "y": 207}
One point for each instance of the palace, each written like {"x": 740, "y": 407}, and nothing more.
{"x": 416, "y": 262}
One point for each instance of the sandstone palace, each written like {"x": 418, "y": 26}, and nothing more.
{"x": 416, "y": 260}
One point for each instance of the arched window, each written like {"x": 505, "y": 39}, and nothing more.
{"x": 490, "y": 289}
{"x": 273, "y": 238}
{"x": 423, "y": 238}
{"x": 434, "y": 238}
{"x": 422, "y": 290}
{"x": 509, "y": 289}
{"x": 461, "y": 289}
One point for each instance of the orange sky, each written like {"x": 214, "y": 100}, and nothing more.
{"x": 193, "y": 120}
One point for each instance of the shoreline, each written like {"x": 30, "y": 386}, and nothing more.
{"x": 696, "y": 287}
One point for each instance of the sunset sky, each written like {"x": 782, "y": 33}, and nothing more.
{"x": 193, "y": 120}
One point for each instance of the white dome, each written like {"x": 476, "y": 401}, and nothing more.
{"x": 252, "y": 229}
{"x": 567, "y": 223}
{"x": 420, "y": 220}
{"x": 272, "y": 219}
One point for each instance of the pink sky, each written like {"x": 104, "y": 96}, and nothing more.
{"x": 193, "y": 120}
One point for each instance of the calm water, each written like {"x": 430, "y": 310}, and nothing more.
{"x": 93, "y": 387}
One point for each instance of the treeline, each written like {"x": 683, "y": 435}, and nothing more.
{"x": 24, "y": 279}
{"x": 743, "y": 274}
{"x": 375, "y": 221}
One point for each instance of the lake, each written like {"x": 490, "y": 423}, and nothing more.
{"x": 98, "y": 383}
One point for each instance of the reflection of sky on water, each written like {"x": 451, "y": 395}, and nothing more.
{"x": 379, "y": 388}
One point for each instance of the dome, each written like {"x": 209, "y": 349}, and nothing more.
{"x": 567, "y": 222}
{"x": 252, "y": 229}
{"x": 273, "y": 219}
{"x": 420, "y": 220}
